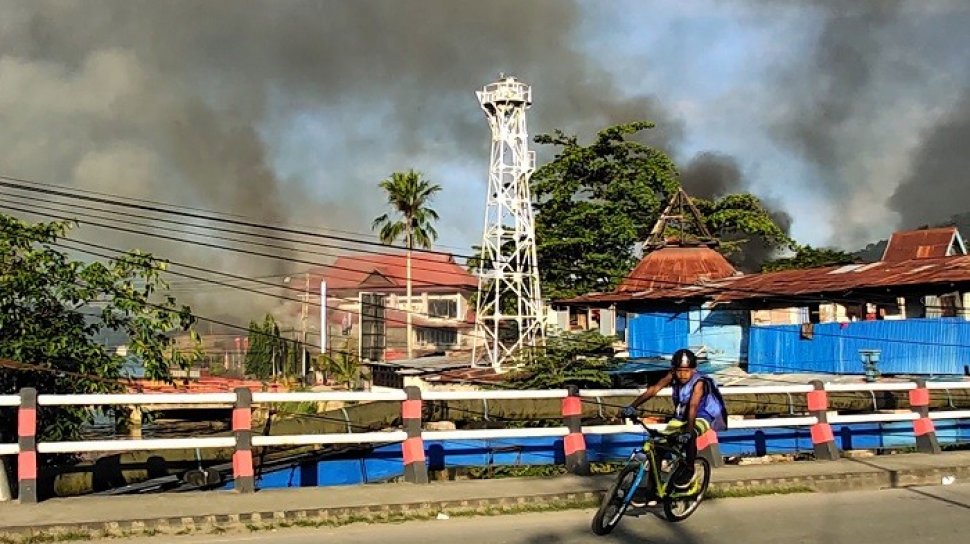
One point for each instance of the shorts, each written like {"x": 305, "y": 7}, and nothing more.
{"x": 675, "y": 426}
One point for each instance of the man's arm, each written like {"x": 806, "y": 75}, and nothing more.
{"x": 653, "y": 390}
{"x": 695, "y": 401}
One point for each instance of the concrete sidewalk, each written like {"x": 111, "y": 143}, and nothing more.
{"x": 216, "y": 510}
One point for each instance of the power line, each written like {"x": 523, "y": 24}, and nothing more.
{"x": 214, "y": 246}
{"x": 205, "y": 217}
{"x": 902, "y": 341}
{"x": 683, "y": 284}
{"x": 723, "y": 288}
{"x": 73, "y": 208}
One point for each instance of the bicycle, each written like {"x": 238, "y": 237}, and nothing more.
{"x": 648, "y": 476}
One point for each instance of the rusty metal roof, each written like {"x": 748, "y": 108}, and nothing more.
{"x": 923, "y": 244}
{"x": 676, "y": 266}
{"x": 833, "y": 280}
{"x": 388, "y": 272}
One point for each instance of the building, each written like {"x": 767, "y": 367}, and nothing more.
{"x": 441, "y": 309}
{"x": 912, "y": 307}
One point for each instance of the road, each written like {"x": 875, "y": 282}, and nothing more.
{"x": 901, "y": 516}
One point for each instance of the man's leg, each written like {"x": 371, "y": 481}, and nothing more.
{"x": 690, "y": 452}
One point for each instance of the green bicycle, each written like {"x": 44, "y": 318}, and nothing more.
{"x": 647, "y": 478}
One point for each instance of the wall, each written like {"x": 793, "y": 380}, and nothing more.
{"x": 723, "y": 334}
{"x": 658, "y": 334}
{"x": 913, "y": 346}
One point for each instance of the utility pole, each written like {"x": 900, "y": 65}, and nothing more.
{"x": 305, "y": 315}
{"x": 409, "y": 307}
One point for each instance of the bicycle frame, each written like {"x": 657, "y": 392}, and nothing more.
{"x": 647, "y": 458}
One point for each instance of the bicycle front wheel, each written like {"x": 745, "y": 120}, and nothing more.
{"x": 680, "y": 506}
{"x": 614, "y": 503}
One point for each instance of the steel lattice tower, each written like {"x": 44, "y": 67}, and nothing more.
{"x": 509, "y": 313}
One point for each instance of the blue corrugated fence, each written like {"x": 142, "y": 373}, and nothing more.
{"x": 912, "y": 346}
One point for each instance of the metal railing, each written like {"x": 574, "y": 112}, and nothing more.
{"x": 241, "y": 401}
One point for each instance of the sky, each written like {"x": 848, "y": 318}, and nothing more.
{"x": 849, "y": 119}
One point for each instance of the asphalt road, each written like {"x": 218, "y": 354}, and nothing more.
{"x": 900, "y": 516}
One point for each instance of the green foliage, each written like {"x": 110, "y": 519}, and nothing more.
{"x": 738, "y": 219}
{"x": 595, "y": 203}
{"x": 408, "y": 194}
{"x": 268, "y": 351}
{"x": 343, "y": 366}
{"x": 579, "y": 359}
{"x": 810, "y": 257}
{"x": 52, "y": 308}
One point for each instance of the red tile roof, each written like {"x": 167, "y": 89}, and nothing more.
{"x": 676, "y": 266}
{"x": 814, "y": 281}
{"x": 382, "y": 272}
{"x": 923, "y": 244}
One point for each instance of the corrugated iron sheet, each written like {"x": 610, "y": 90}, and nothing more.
{"x": 919, "y": 244}
{"x": 676, "y": 266}
{"x": 658, "y": 334}
{"x": 913, "y": 346}
{"x": 797, "y": 283}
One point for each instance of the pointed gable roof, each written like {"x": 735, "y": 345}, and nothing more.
{"x": 924, "y": 244}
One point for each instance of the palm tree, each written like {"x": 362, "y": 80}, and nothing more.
{"x": 408, "y": 194}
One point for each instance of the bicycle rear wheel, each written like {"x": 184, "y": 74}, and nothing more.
{"x": 677, "y": 506}
{"x": 614, "y": 503}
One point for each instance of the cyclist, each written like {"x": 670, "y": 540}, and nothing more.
{"x": 698, "y": 406}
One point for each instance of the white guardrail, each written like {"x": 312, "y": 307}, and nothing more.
{"x": 229, "y": 399}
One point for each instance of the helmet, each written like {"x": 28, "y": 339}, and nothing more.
{"x": 683, "y": 358}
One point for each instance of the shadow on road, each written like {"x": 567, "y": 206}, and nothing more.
{"x": 929, "y": 495}
{"x": 644, "y": 530}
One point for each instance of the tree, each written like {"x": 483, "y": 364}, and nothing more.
{"x": 267, "y": 349}
{"x": 52, "y": 309}
{"x": 579, "y": 359}
{"x": 739, "y": 219}
{"x": 595, "y": 203}
{"x": 343, "y": 366}
{"x": 810, "y": 257}
{"x": 409, "y": 195}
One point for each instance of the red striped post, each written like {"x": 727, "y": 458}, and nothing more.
{"x": 415, "y": 467}
{"x": 574, "y": 443}
{"x": 27, "y": 441}
{"x": 709, "y": 448}
{"x": 242, "y": 428}
{"x": 823, "y": 440}
{"x": 923, "y": 428}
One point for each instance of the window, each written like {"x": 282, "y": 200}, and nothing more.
{"x": 438, "y": 337}
{"x": 444, "y": 308}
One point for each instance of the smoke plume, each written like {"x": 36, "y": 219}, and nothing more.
{"x": 936, "y": 187}
{"x": 860, "y": 105}
{"x": 186, "y": 103}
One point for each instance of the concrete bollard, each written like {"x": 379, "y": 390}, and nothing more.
{"x": 709, "y": 448}
{"x": 27, "y": 440}
{"x": 242, "y": 428}
{"x": 574, "y": 443}
{"x": 415, "y": 465}
{"x": 923, "y": 428}
{"x": 822, "y": 439}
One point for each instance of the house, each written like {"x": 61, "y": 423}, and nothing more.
{"x": 441, "y": 312}
{"x": 913, "y": 308}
